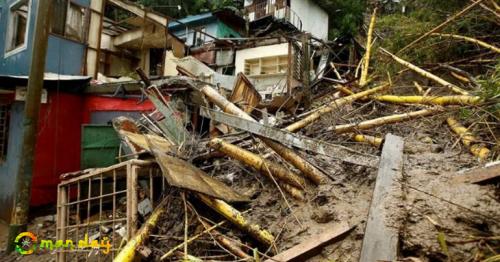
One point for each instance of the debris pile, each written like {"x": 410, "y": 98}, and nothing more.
{"x": 336, "y": 166}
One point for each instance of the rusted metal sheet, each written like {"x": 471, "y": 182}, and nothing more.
{"x": 182, "y": 174}
{"x": 290, "y": 139}
{"x": 244, "y": 94}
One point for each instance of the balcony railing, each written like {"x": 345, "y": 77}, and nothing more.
{"x": 277, "y": 9}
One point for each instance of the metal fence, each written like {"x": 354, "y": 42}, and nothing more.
{"x": 104, "y": 204}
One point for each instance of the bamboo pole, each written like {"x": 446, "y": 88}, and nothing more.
{"x": 468, "y": 139}
{"x": 419, "y": 88}
{"x": 336, "y": 104}
{"x": 364, "y": 72}
{"x": 426, "y": 74}
{"x": 310, "y": 171}
{"x": 430, "y": 100}
{"x": 227, "y": 243}
{"x": 460, "y": 77}
{"x": 435, "y": 29}
{"x": 372, "y": 140}
{"x": 127, "y": 254}
{"x": 235, "y": 217}
{"x": 383, "y": 121}
{"x": 191, "y": 239}
{"x": 264, "y": 166}
{"x": 471, "y": 40}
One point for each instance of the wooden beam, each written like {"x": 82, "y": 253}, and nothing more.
{"x": 381, "y": 240}
{"x": 479, "y": 175}
{"x": 138, "y": 11}
{"x": 312, "y": 246}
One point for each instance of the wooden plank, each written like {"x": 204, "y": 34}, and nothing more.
{"x": 313, "y": 245}
{"x": 381, "y": 240}
{"x": 479, "y": 175}
{"x": 291, "y": 139}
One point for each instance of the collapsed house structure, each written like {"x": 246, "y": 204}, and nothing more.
{"x": 219, "y": 99}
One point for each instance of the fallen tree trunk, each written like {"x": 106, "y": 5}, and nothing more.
{"x": 430, "y": 100}
{"x": 127, "y": 254}
{"x": 264, "y": 166}
{"x": 426, "y": 74}
{"x": 366, "y": 65}
{"x": 235, "y": 217}
{"x": 383, "y": 121}
{"x": 330, "y": 107}
{"x": 471, "y": 40}
{"x": 468, "y": 139}
{"x": 310, "y": 171}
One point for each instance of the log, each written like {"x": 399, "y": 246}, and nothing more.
{"x": 468, "y": 139}
{"x": 426, "y": 74}
{"x": 313, "y": 245}
{"x": 471, "y": 40}
{"x": 383, "y": 121}
{"x": 234, "y": 216}
{"x": 334, "y": 105}
{"x": 437, "y": 28}
{"x": 430, "y": 100}
{"x": 366, "y": 65}
{"x": 264, "y": 166}
{"x": 127, "y": 254}
{"x": 289, "y": 155}
{"x": 380, "y": 242}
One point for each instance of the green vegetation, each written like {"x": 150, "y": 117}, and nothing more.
{"x": 346, "y": 17}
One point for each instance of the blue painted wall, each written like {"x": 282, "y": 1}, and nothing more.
{"x": 63, "y": 56}
{"x": 211, "y": 23}
{"x": 8, "y": 169}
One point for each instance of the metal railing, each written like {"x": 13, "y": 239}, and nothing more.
{"x": 278, "y": 10}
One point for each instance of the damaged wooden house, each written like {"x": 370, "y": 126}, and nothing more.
{"x": 87, "y": 43}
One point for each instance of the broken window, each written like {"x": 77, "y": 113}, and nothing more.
{"x": 69, "y": 20}
{"x": 18, "y": 24}
{"x": 4, "y": 131}
{"x": 266, "y": 65}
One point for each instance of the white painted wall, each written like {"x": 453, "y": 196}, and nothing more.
{"x": 262, "y": 82}
{"x": 258, "y": 52}
{"x": 314, "y": 19}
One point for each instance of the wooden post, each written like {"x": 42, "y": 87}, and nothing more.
{"x": 26, "y": 159}
{"x": 62, "y": 214}
{"x": 380, "y": 242}
{"x": 306, "y": 66}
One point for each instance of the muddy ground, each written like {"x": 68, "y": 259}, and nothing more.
{"x": 465, "y": 214}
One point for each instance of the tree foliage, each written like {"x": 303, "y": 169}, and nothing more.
{"x": 346, "y": 17}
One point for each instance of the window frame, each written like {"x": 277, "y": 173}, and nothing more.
{"x": 10, "y": 28}
{"x": 86, "y": 23}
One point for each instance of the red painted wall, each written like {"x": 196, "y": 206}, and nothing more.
{"x": 57, "y": 149}
{"x": 99, "y": 103}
